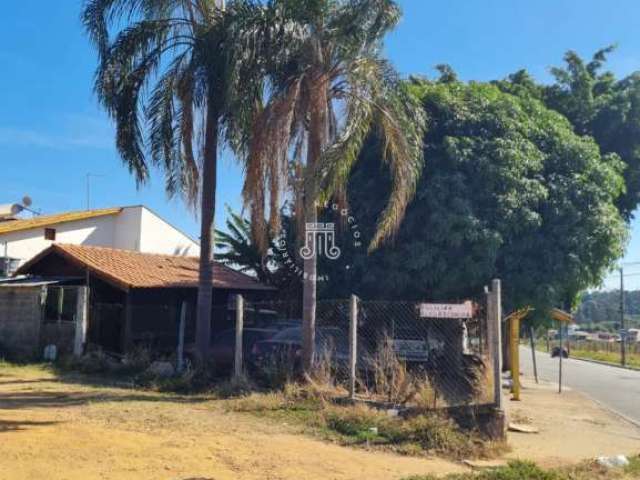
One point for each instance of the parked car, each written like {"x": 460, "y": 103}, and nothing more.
{"x": 411, "y": 350}
{"x": 223, "y": 346}
{"x": 286, "y": 346}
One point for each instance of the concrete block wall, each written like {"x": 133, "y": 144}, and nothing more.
{"x": 20, "y": 320}
{"x": 59, "y": 334}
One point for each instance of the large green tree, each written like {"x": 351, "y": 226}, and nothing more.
{"x": 178, "y": 79}
{"x": 328, "y": 87}
{"x": 510, "y": 191}
{"x": 597, "y": 104}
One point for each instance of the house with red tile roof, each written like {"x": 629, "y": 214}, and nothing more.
{"x": 77, "y": 297}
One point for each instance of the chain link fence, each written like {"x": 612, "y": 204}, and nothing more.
{"x": 382, "y": 351}
{"x": 391, "y": 352}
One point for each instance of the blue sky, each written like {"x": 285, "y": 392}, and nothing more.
{"x": 52, "y": 132}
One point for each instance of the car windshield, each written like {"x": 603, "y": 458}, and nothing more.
{"x": 288, "y": 335}
{"x": 332, "y": 337}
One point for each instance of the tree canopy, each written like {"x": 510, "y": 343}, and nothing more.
{"x": 509, "y": 190}
{"x": 597, "y": 104}
{"x": 328, "y": 86}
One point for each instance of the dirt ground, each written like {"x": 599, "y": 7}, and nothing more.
{"x": 572, "y": 427}
{"x": 60, "y": 429}
{"x": 57, "y": 430}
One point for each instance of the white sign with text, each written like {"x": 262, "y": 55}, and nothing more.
{"x": 446, "y": 310}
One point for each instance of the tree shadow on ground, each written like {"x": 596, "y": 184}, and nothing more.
{"x": 70, "y": 389}
{"x": 26, "y": 382}
{"x": 16, "y": 425}
{"x": 72, "y": 398}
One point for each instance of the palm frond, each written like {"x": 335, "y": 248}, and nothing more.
{"x": 401, "y": 124}
{"x": 267, "y": 163}
{"x": 377, "y": 100}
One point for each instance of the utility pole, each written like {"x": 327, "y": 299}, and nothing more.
{"x": 623, "y": 335}
{"x": 89, "y": 175}
{"x": 88, "y": 191}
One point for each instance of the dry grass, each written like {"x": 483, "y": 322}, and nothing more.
{"x": 392, "y": 381}
{"x": 312, "y": 409}
{"x": 633, "y": 359}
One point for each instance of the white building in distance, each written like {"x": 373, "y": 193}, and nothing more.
{"x": 128, "y": 228}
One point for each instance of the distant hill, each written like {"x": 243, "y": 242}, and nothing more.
{"x": 601, "y": 307}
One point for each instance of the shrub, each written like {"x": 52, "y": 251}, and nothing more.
{"x": 439, "y": 434}
{"x": 91, "y": 363}
{"x": 352, "y": 421}
{"x": 197, "y": 380}
{"x": 136, "y": 361}
{"x": 258, "y": 403}
{"x": 277, "y": 371}
{"x": 392, "y": 381}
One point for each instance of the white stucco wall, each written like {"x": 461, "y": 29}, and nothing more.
{"x": 127, "y": 229}
{"x": 158, "y": 236}
{"x": 134, "y": 228}
{"x": 25, "y": 244}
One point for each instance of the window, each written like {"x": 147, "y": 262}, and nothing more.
{"x": 8, "y": 266}
{"x": 61, "y": 304}
{"x": 50, "y": 234}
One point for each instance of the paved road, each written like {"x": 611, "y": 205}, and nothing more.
{"x": 616, "y": 388}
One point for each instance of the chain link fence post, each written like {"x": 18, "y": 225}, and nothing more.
{"x": 353, "y": 344}
{"x": 237, "y": 362}
{"x": 494, "y": 319}
{"x": 182, "y": 322}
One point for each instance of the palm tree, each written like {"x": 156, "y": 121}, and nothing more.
{"x": 237, "y": 248}
{"x": 171, "y": 73}
{"x": 322, "y": 57}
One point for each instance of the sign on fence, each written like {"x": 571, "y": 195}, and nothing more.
{"x": 446, "y": 310}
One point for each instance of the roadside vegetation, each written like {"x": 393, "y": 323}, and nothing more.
{"x": 311, "y": 407}
{"x": 529, "y": 471}
{"x": 633, "y": 360}
{"x": 594, "y": 351}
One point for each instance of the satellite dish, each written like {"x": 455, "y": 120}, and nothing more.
{"x": 10, "y": 210}
{"x": 26, "y": 201}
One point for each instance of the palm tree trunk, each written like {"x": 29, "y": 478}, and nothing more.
{"x": 207, "y": 213}
{"x": 317, "y": 138}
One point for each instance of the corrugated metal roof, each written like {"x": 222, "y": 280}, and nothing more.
{"x": 29, "y": 283}
{"x": 49, "y": 220}
{"x": 130, "y": 269}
